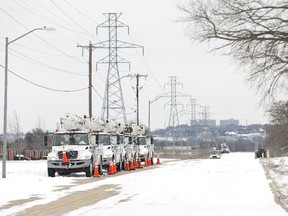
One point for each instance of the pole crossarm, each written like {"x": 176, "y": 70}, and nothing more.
{"x": 107, "y": 60}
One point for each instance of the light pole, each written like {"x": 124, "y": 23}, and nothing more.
{"x": 5, "y": 96}
{"x": 149, "y": 104}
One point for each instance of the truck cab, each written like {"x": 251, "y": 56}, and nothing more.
{"x": 141, "y": 146}
{"x": 79, "y": 153}
{"x": 117, "y": 141}
{"x": 75, "y": 147}
{"x": 129, "y": 148}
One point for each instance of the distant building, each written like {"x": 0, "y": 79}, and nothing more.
{"x": 208, "y": 122}
{"x": 229, "y": 122}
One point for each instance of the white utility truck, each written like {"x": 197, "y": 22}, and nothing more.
{"x": 77, "y": 146}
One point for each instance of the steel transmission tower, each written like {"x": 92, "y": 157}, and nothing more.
{"x": 205, "y": 115}
{"x": 173, "y": 117}
{"x": 113, "y": 104}
{"x": 174, "y": 114}
{"x": 192, "y": 111}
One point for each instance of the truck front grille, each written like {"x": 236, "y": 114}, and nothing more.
{"x": 70, "y": 154}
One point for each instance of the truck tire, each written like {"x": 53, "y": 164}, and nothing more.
{"x": 90, "y": 169}
{"x": 100, "y": 168}
{"x": 120, "y": 164}
{"x": 124, "y": 163}
{"x": 51, "y": 172}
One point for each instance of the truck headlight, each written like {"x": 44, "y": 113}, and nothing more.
{"x": 85, "y": 157}
{"x": 51, "y": 158}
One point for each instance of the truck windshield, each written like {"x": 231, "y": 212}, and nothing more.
{"x": 142, "y": 140}
{"x": 70, "y": 139}
{"x": 104, "y": 139}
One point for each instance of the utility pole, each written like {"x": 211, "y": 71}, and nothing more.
{"x": 90, "y": 48}
{"x": 113, "y": 103}
{"x": 137, "y": 96}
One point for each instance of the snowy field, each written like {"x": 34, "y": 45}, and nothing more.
{"x": 233, "y": 185}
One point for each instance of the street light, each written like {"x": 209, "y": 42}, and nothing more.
{"x": 5, "y": 95}
{"x": 149, "y": 104}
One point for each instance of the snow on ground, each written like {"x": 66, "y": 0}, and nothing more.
{"x": 233, "y": 185}
{"x": 278, "y": 172}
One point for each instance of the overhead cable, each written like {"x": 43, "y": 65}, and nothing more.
{"x": 44, "y": 87}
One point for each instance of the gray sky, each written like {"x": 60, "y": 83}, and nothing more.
{"x": 52, "y": 59}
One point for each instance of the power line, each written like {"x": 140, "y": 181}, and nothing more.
{"x": 146, "y": 64}
{"x": 44, "y": 87}
{"x": 47, "y": 19}
{"x": 50, "y": 45}
{"x": 59, "y": 18}
{"x": 81, "y": 12}
{"x": 33, "y": 61}
{"x": 71, "y": 19}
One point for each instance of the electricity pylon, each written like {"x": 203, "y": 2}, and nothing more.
{"x": 113, "y": 104}
{"x": 174, "y": 114}
{"x": 192, "y": 111}
{"x": 205, "y": 115}
{"x": 174, "y": 103}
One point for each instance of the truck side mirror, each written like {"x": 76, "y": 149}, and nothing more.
{"x": 118, "y": 139}
{"x": 46, "y": 140}
{"x": 152, "y": 140}
{"x": 97, "y": 139}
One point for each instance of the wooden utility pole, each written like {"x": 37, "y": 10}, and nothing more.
{"x": 137, "y": 95}
{"x": 90, "y": 48}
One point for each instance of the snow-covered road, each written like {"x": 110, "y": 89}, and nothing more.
{"x": 234, "y": 185}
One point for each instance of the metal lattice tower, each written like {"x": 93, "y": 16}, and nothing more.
{"x": 205, "y": 114}
{"x": 173, "y": 117}
{"x": 174, "y": 114}
{"x": 113, "y": 104}
{"x": 173, "y": 95}
{"x": 192, "y": 111}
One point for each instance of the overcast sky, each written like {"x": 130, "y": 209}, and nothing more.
{"x": 53, "y": 60}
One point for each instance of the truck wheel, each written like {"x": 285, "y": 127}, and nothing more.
{"x": 120, "y": 164}
{"x": 89, "y": 170}
{"x": 123, "y": 164}
{"x": 100, "y": 167}
{"x": 152, "y": 160}
{"x": 51, "y": 172}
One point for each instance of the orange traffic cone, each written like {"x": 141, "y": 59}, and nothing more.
{"x": 110, "y": 169}
{"x": 96, "y": 172}
{"x": 127, "y": 168}
{"x": 132, "y": 165}
{"x": 139, "y": 163}
{"x": 158, "y": 160}
{"x": 114, "y": 168}
{"x": 149, "y": 161}
{"x": 64, "y": 156}
{"x": 145, "y": 162}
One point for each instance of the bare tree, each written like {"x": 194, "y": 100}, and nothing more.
{"x": 16, "y": 131}
{"x": 277, "y": 139}
{"x": 35, "y": 138}
{"x": 254, "y": 32}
